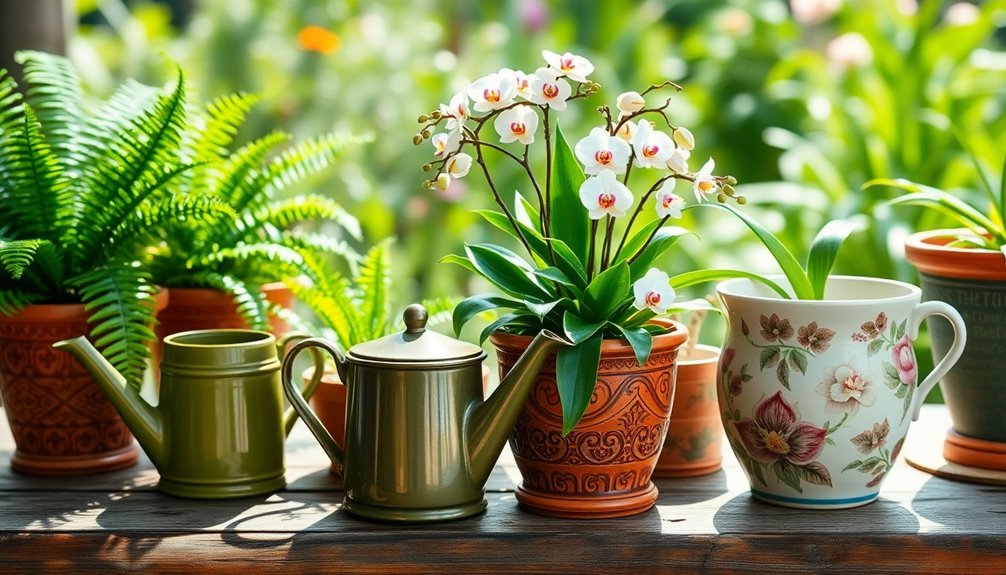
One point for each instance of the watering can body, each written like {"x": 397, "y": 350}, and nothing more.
{"x": 420, "y": 441}
{"x": 220, "y": 425}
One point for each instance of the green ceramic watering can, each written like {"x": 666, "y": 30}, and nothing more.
{"x": 420, "y": 442}
{"x": 219, "y": 427}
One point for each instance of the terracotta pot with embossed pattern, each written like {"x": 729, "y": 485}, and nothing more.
{"x": 602, "y": 468}
{"x": 694, "y": 442}
{"x": 62, "y": 422}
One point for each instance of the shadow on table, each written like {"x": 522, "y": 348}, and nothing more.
{"x": 746, "y": 515}
{"x": 691, "y": 490}
{"x": 942, "y": 501}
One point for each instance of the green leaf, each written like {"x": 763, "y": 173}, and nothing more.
{"x": 902, "y": 391}
{"x": 798, "y": 361}
{"x": 697, "y": 277}
{"x": 814, "y": 473}
{"x": 507, "y": 271}
{"x": 983, "y": 174}
{"x": 824, "y": 250}
{"x": 789, "y": 264}
{"x": 891, "y": 377}
{"x": 554, "y": 274}
{"x": 661, "y": 242}
{"x": 782, "y": 372}
{"x": 874, "y": 347}
{"x": 607, "y": 292}
{"x": 787, "y": 473}
{"x": 853, "y": 465}
{"x": 476, "y": 304}
{"x": 943, "y": 202}
{"x": 640, "y": 340}
{"x": 578, "y": 330}
{"x": 569, "y": 221}
{"x": 900, "y": 333}
{"x": 636, "y": 241}
{"x": 576, "y": 375}
{"x": 459, "y": 260}
{"x": 542, "y": 309}
{"x": 512, "y": 320}
{"x": 769, "y": 357}
{"x": 568, "y": 263}
{"x": 374, "y": 284}
{"x": 524, "y": 212}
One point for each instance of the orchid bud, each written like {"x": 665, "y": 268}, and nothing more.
{"x": 730, "y": 180}
{"x": 436, "y": 115}
{"x": 683, "y": 137}
{"x": 721, "y": 198}
{"x": 729, "y": 190}
{"x": 423, "y": 118}
{"x": 443, "y": 182}
{"x": 630, "y": 102}
{"x": 427, "y": 167}
{"x": 417, "y": 139}
{"x": 741, "y": 200}
{"x": 427, "y": 184}
{"x": 427, "y": 133}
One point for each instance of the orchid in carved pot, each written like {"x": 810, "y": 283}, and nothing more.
{"x": 818, "y": 380}
{"x": 591, "y": 431}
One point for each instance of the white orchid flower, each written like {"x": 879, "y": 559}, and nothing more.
{"x": 600, "y": 151}
{"x": 547, "y": 88}
{"x": 457, "y": 111}
{"x": 604, "y": 195}
{"x": 458, "y": 165}
{"x": 446, "y": 143}
{"x": 630, "y": 102}
{"x": 653, "y": 291}
{"x": 574, "y": 67}
{"x": 627, "y": 131}
{"x": 443, "y": 182}
{"x": 517, "y": 124}
{"x": 684, "y": 138}
{"x": 678, "y": 162}
{"x": 669, "y": 203}
{"x": 493, "y": 92}
{"x": 705, "y": 183}
{"x": 653, "y": 148}
{"x": 520, "y": 80}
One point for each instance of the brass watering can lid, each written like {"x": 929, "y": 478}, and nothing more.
{"x": 417, "y": 345}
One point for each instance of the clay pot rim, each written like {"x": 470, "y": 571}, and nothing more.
{"x": 186, "y": 293}
{"x": 928, "y": 252}
{"x": 709, "y": 354}
{"x": 729, "y": 288}
{"x": 609, "y": 347}
{"x": 56, "y": 312}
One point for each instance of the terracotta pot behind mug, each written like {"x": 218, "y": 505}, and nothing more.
{"x": 817, "y": 396}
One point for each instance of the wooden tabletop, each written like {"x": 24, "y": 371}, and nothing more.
{"x": 118, "y": 522}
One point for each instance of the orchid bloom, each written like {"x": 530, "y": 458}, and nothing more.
{"x": 604, "y": 195}
{"x": 653, "y": 291}
{"x": 458, "y": 165}
{"x": 600, "y": 151}
{"x": 684, "y": 138}
{"x": 630, "y": 102}
{"x": 517, "y": 124}
{"x": 520, "y": 80}
{"x": 547, "y": 88}
{"x": 456, "y": 111}
{"x": 574, "y": 67}
{"x": 493, "y": 92}
{"x": 446, "y": 143}
{"x": 653, "y": 148}
{"x": 678, "y": 161}
{"x": 668, "y": 203}
{"x": 705, "y": 183}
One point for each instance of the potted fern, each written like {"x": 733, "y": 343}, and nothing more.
{"x": 967, "y": 268}
{"x": 226, "y": 272}
{"x": 82, "y": 191}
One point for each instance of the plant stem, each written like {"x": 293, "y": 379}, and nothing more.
{"x": 648, "y": 240}
{"x": 639, "y": 208}
{"x": 547, "y": 207}
{"x": 537, "y": 189}
{"x": 606, "y": 250}
{"x": 492, "y": 186}
{"x": 590, "y": 253}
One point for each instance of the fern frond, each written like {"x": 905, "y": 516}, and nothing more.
{"x": 17, "y": 256}
{"x": 334, "y": 307}
{"x": 250, "y": 301}
{"x": 284, "y": 214}
{"x": 319, "y": 244}
{"x": 10, "y": 105}
{"x": 14, "y": 300}
{"x": 281, "y": 261}
{"x": 244, "y": 164}
{"x": 130, "y": 100}
{"x": 374, "y": 282}
{"x": 53, "y": 89}
{"x": 221, "y": 122}
{"x": 119, "y": 301}
{"x": 440, "y": 311}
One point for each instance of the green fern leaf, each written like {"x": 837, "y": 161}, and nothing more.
{"x": 284, "y": 214}
{"x": 121, "y": 311}
{"x": 10, "y": 105}
{"x": 16, "y": 256}
{"x": 319, "y": 244}
{"x": 53, "y": 89}
{"x": 244, "y": 164}
{"x": 14, "y": 300}
{"x": 334, "y": 307}
{"x": 374, "y": 282}
{"x": 221, "y": 122}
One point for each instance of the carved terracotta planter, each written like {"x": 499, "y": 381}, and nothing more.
{"x": 694, "y": 442}
{"x": 974, "y": 282}
{"x": 603, "y": 467}
{"x": 61, "y": 420}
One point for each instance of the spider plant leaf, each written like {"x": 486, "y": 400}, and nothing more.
{"x": 824, "y": 250}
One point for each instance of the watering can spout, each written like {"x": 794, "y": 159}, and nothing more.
{"x": 142, "y": 419}
{"x": 491, "y": 422}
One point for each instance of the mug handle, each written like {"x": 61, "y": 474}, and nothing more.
{"x": 919, "y": 313}
{"x": 282, "y": 343}
{"x": 299, "y": 403}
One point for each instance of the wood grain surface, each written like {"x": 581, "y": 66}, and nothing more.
{"x": 119, "y": 523}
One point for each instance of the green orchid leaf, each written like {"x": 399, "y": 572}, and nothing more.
{"x": 636, "y": 241}
{"x": 789, "y": 264}
{"x": 511, "y": 320}
{"x": 476, "y": 304}
{"x": 608, "y": 291}
{"x": 688, "y": 279}
{"x": 459, "y": 260}
{"x": 640, "y": 340}
{"x": 507, "y": 271}
{"x": 576, "y": 376}
{"x": 525, "y": 213}
{"x": 693, "y": 305}
{"x": 556, "y": 275}
{"x": 984, "y": 176}
{"x": 565, "y": 260}
{"x": 661, "y": 242}
{"x": 824, "y": 250}
{"x": 542, "y": 309}
{"x": 569, "y": 221}
{"x": 578, "y": 330}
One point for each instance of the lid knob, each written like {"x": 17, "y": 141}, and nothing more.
{"x": 415, "y": 317}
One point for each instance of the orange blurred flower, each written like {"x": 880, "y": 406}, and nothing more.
{"x": 314, "y": 38}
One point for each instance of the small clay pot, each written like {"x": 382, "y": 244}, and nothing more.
{"x": 602, "y": 468}
{"x": 62, "y": 422}
{"x": 694, "y": 442}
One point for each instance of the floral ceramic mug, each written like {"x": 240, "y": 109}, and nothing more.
{"x": 816, "y": 396}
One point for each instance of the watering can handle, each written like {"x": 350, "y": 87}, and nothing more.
{"x": 298, "y": 401}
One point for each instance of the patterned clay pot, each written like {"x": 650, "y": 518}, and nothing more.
{"x": 694, "y": 442}
{"x": 974, "y": 282}
{"x": 202, "y": 308}
{"x": 603, "y": 467}
{"x": 817, "y": 395}
{"x": 62, "y": 422}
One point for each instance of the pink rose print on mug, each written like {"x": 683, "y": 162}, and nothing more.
{"x": 904, "y": 360}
